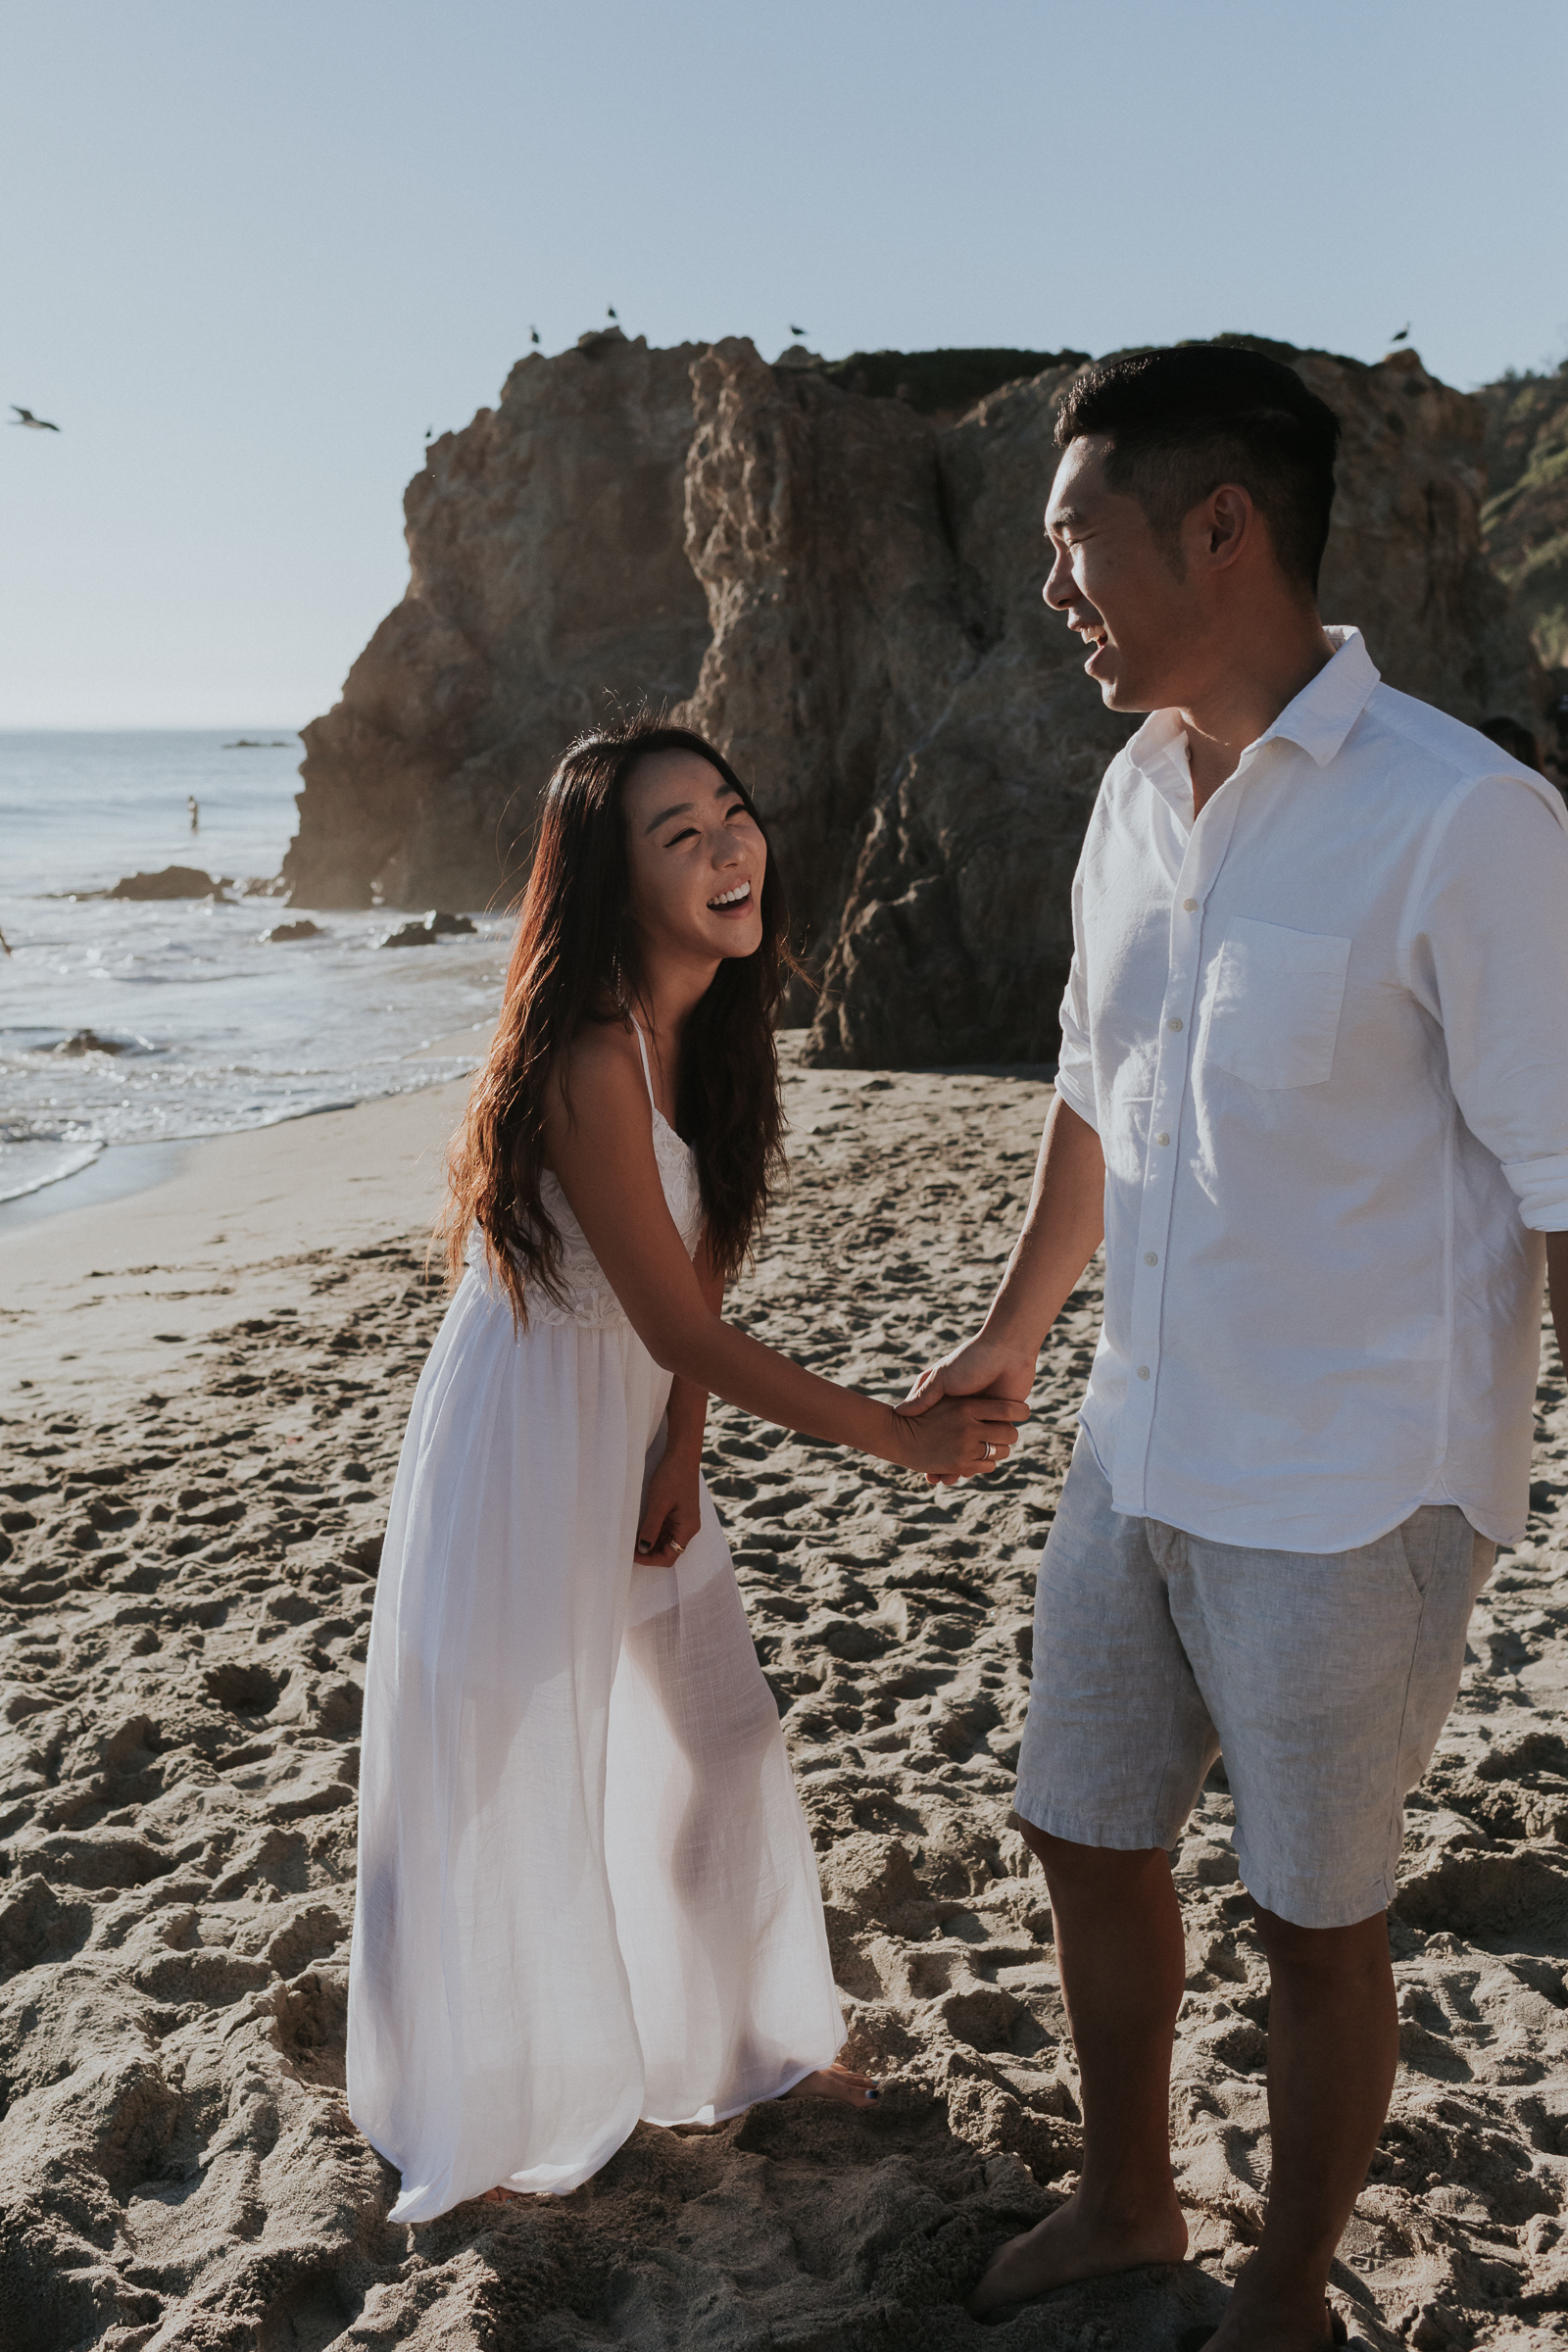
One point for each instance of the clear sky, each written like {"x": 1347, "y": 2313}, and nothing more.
{"x": 253, "y": 252}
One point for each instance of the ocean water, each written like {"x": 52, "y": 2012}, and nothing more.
{"x": 125, "y": 1022}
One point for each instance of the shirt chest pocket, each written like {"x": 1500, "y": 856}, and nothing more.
{"x": 1274, "y": 1003}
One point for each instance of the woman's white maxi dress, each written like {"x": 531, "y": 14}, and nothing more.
{"x": 586, "y": 1892}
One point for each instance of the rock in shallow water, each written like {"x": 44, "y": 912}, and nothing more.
{"x": 425, "y": 932}
{"x": 87, "y": 1041}
{"x": 172, "y": 882}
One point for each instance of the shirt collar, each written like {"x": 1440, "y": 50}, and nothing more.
{"x": 1317, "y": 721}
{"x": 1325, "y": 711}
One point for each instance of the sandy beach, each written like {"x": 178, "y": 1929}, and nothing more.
{"x": 204, "y": 1387}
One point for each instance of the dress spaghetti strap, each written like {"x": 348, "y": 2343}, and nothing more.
{"x": 648, "y": 1075}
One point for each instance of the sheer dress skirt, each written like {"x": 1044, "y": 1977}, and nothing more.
{"x": 586, "y": 1889}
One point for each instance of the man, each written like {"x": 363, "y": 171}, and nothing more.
{"x": 1314, "y": 1095}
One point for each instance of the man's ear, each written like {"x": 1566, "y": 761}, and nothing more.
{"x": 1229, "y": 524}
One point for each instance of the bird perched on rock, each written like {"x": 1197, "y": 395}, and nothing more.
{"x": 39, "y": 424}
{"x": 1402, "y": 333}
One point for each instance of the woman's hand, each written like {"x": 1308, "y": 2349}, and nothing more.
{"x": 961, "y": 1437}
{"x": 672, "y": 1512}
{"x": 985, "y": 1365}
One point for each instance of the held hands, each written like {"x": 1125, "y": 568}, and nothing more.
{"x": 672, "y": 1514}
{"x": 951, "y": 1438}
{"x": 989, "y": 1377}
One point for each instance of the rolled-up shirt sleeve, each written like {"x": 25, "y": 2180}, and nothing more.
{"x": 1486, "y": 950}
{"x": 1075, "y": 1071}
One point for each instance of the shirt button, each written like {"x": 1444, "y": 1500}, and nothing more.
{"x": 1190, "y": 905}
{"x": 1162, "y": 1139}
{"x": 1173, "y": 1024}
{"x": 1143, "y": 1371}
{"x": 1151, "y": 1257}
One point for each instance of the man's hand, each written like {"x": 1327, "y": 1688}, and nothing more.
{"x": 1060, "y": 1234}
{"x": 982, "y": 1367}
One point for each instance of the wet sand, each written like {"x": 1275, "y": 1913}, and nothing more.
{"x": 191, "y": 1497}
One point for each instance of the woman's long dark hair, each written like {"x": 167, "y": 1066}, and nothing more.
{"x": 576, "y": 960}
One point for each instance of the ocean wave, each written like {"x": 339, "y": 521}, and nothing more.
{"x": 29, "y": 1158}
{"x": 124, "y": 1022}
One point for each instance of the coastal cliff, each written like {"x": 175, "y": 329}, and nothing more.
{"x": 1525, "y": 521}
{"x": 835, "y": 572}
{"x": 547, "y": 582}
{"x": 955, "y": 934}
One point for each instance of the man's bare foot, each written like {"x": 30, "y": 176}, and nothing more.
{"x": 835, "y": 2082}
{"x": 1069, "y": 2245}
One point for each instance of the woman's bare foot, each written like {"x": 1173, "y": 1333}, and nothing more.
{"x": 1069, "y": 2245}
{"x": 835, "y": 2082}
{"x": 501, "y": 2196}
{"x": 1299, "y": 2325}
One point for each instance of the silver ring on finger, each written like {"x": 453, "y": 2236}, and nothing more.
{"x": 676, "y": 1548}
{"x": 989, "y": 1450}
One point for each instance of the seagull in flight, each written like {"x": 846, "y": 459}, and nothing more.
{"x": 533, "y": 336}
{"x": 1402, "y": 333}
{"x": 799, "y": 330}
{"x": 614, "y": 313}
{"x": 39, "y": 424}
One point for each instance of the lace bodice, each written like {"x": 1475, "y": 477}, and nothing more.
{"x": 585, "y": 1293}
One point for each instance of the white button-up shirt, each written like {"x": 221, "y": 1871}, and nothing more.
{"x": 1323, "y": 1035}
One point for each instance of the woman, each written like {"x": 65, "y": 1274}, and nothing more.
{"x": 586, "y": 1892}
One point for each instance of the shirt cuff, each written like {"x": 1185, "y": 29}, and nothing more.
{"x": 1543, "y": 1189}
{"x": 1077, "y": 1097}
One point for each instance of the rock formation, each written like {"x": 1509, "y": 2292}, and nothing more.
{"x": 873, "y": 654}
{"x": 170, "y": 882}
{"x": 547, "y": 578}
{"x": 1524, "y": 524}
{"x": 1526, "y": 516}
{"x": 945, "y": 384}
{"x": 426, "y": 933}
{"x": 815, "y": 524}
{"x": 920, "y": 736}
{"x": 953, "y": 937}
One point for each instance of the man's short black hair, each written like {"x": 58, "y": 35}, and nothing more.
{"x": 1185, "y": 420}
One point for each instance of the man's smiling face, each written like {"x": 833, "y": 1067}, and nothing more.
{"x": 1117, "y": 585}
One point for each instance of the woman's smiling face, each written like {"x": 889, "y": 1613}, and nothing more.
{"x": 697, "y": 859}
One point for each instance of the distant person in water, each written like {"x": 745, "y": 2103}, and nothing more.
{"x": 1313, "y": 1095}
{"x": 194, "y": 806}
{"x": 586, "y": 1890}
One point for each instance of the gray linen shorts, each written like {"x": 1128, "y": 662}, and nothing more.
{"x": 1323, "y": 1677}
